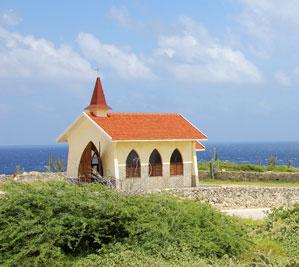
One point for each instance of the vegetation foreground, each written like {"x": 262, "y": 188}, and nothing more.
{"x": 232, "y": 166}
{"x": 211, "y": 181}
{"x": 60, "y": 224}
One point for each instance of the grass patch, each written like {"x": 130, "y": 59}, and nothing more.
{"x": 283, "y": 225}
{"x": 231, "y": 166}
{"x": 247, "y": 183}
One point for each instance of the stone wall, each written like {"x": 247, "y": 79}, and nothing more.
{"x": 241, "y": 196}
{"x": 223, "y": 197}
{"x": 144, "y": 184}
{"x": 252, "y": 176}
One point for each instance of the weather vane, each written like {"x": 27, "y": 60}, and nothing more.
{"x": 97, "y": 69}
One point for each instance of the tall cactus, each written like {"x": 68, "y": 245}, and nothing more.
{"x": 213, "y": 162}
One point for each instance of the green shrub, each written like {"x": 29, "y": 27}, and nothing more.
{"x": 184, "y": 227}
{"x": 283, "y": 226}
{"x": 46, "y": 219}
{"x": 54, "y": 222}
{"x": 133, "y": 258}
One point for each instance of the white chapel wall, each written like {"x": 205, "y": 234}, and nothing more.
{"x": 78, "y": 139}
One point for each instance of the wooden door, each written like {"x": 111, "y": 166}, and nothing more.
{"x": 89, "y": 165}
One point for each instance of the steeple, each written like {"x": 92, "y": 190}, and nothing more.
{"x": 98, "y": 105}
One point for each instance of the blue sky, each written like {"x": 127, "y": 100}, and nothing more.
{"x": 231, "y": 66}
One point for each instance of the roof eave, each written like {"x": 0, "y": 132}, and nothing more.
{"x": 95, "y": 107}
{"x": 152, "y": 140}
{"x": 205, "y": 137}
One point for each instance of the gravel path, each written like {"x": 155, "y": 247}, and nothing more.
{"x": 257, "y": 214}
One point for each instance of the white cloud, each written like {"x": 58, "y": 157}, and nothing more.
{"x": 295, "y": 76}
{"x": 9, "y": 18}
{"x": 121, "y": 16}
{"x": 282, "y": 78}
{"x": 269, "y": 19}
{"x": 26, "y": 59}
{"x": 271, "y": 32}
{"x": 125, "y": 64}
{"x": 37, "y": 59}
{"x": 192, "y": 55}
{"x": 287, "y": 79}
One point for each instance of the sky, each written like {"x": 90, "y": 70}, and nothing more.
{"x": 231, "y": 66}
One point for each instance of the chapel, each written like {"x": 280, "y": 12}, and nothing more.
{"x": 144, "y": 151}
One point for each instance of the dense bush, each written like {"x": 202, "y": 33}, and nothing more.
{"x": 56, "y": 223}
{"x": 283, "y": 225}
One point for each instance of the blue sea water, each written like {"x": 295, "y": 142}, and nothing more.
{"x": 29, "y": 158}
{"x": 255, "y": 153}
{"x": 35, "y": 158}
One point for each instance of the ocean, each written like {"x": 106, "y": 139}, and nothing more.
{"x": 35, "y": 158}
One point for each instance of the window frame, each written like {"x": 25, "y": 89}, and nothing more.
{"x": 133, "y": 170}
{"x": 155, "y": 169}
{"x": 176, "y": 168}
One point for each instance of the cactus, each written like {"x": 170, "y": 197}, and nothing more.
{"x": 19, "y": 169}
{"x": 272, "y": 161}
{"x": 213, "y": 163}
{"x": 56, "y": 165}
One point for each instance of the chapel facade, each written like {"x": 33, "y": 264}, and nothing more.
{"x": 140, "y": 151}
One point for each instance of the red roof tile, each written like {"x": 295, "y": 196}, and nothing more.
{"x": 98, "y": 100}
{"x": 147, "y": 126}
{"x": 199, "y": 146}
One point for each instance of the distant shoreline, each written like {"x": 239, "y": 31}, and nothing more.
{"x": 34, "y": 158}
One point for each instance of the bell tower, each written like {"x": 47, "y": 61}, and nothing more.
{"x": 98, "y": 105}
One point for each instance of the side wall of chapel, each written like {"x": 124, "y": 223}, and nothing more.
{"x": 165, "y": 148}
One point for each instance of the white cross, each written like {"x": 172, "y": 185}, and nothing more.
{"x": 97, "y": 69}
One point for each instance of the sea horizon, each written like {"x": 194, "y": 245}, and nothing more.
{"x": 204, "y": 142}
{"x": 35, "y": 157}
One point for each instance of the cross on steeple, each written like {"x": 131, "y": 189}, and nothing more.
{"x": 97, "y": 69}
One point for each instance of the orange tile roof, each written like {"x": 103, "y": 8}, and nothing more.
{"x": 147, "y": 126}
{"x": 199, "y": 146}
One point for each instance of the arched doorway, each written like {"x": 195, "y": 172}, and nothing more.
{"x": 90, "y": 164}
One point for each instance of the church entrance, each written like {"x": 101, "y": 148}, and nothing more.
{"x": 90, "y": 164}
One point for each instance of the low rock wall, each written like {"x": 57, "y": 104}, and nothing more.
{"x": 252, "y": 176}
{"x": 223, "y": 197}
{"x": 231, "y": 197}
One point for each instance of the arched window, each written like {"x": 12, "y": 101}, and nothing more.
{"x": 155, "y": 164}
{"x": 176, "y": 163}
{"x": 133, "y": 165}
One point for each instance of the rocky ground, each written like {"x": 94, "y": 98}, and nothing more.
{"x": 31, "y": 176}
{"x": 256, "y": 214}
